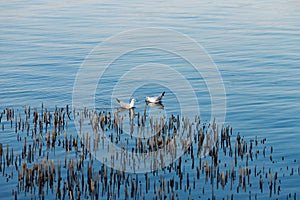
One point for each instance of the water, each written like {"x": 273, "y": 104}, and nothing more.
{"x": 256, "y": 46}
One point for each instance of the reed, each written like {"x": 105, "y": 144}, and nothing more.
{"x": 56, "y": 162}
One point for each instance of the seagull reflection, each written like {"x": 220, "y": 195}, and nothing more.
{"x": 159, "y": 105}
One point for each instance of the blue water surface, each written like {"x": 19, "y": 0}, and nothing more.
{"x": 254, "y": 44}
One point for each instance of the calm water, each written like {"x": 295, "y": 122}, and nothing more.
{"x": 256, "y": 46}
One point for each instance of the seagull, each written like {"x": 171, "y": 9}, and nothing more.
{"x": 127, "y": 105}
{"x": 156, "y": 99}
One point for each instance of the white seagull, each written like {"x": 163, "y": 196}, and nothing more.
{"x": 126, "y": 105}
{"x": 156, "y": 99}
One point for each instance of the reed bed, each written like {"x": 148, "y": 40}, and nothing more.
{"x": 51, "y": 159}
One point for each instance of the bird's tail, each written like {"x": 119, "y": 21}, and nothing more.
{"x": 163, "y": 94}
{"x": 118, "y": 100}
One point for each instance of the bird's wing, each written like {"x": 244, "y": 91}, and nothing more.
{"x": 161, "y": 96}
{"x": 123, "y": 104}
{"x": 158, "y": 98}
